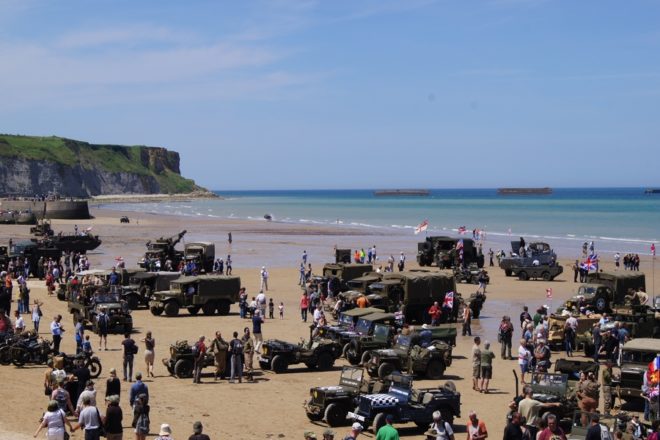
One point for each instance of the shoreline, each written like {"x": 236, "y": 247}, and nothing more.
{"x": 142, "y": 198}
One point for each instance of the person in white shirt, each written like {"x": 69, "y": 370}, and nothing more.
{"x": 264, "y": 279}
{"x": 19, "y": 324}
{"x": 318, "y": 313}
{"x": 524, "y": 357}
{"x": 262, "y": 303}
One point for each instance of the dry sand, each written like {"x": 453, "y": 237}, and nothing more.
{"x": 271, "y": 407}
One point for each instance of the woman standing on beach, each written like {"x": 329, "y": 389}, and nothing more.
{"x": 149, "y": 344}
{"x": 36, "y": 315}
{"x": 55, "y": 421}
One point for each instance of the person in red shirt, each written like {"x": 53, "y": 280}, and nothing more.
{"x": 436, "y": 312}
{"x": 553, "y": 431}
{"x": 304, "y": 305}
{"x": 199, "y": 359}
{"x": 476, "y": 429}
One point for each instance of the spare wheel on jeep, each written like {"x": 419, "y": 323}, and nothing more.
{"x": 601, "y": 303}
{"x": 385, "y": 369}
{"x": 183, "y": 368}
{"x": 546, "y": 276}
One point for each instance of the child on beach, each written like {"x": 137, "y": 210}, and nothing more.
{"x": 271, "y": 308}
{"x": 87, "y": 346}
{"x": 281, "y": 307}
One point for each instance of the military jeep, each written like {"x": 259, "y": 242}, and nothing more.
{"x": 143, "y": 284}
{"x": 636, "y": 355}
{"x": 210, "y": 293}
{"x": 407, "y": 404}
{"x": 408, "y": 355}
{"x": 582, "y": 423}
{"x": 551, "y": 388}
{"x": 333, "y": 403}
{"x": 539, "y": 251}
{"x": 182, "y": 361}
{"x": 606, "y": 289}
{"x": 88, "y": 308}
{"x": 364, "y": 327}
{"x": 277, "y": 355}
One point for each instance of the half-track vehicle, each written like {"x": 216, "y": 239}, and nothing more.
{"x": 209, "y": 293}
{"x": 606, "y": 289}
{"x": 277, "y": 355}
{"x": 416, "y": 353}
{"x": 162, "y": 250}
{"x": 535, "y": 251}
{"x": 333, "y": 403}
{"x": 545, "y": 272}
{"x": 89, "y": 307}
{"x": 182, "y": 360}
{"x": 407, "y": 404}
{"x": 636, "y": 355}
{"x": 202, "y": 254}
{"x": 441, "y": 251}
{"x": 142, "y": 284}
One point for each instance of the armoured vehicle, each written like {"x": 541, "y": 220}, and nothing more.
{"x": 442, "y": 251}
{"x": 202, "y": 254}
{"x": 163, "y": 250}
{"x": 636, "y": 355}
{"x": 345, "y": 272}
{"x": 546, "y": 272}
{"x": 81, "y": 242}
{"x": 536, "y": 251}
{"x": 333, "y": 403}
{"x": 142, "y": 284}
{"x": 182, "y": 360}
{"x": 88, "y": 308}
{"x": 277, "y": 355}
{"x": 408, "y": 355}
{"x": 210, "y": 293}
{"x": 407, "y": 404}
{"x": 606, "y": 289}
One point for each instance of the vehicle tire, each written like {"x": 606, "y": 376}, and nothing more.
{"x": 209, "y": 308}
{"x": 523, "y": 276}
{"x": 352, "y": 354}
{"x": 133, "y": 302}
{"x": 279, "y": 364}
{"x": 385, "y": 369}
{"x": 447, "y": 416}
{"x": 589, "y": 350}
{"x": 94, "y": 367}
{"x": 172, "y": 309}
{"x": 450, "y": 386}
{"x": 546, "y": 276}
{"x": 156, "y": 311}
{"x": 345, "y": 349}
{"x": 223, "y": 307}
{"x": 325, "y": 361}
{"x": 264, "y": 365}
{"x": 5, "y": 355}
{"x": 435, "y": 369}
{"x": 314, "y": 417}
{"x": 474, "y": 279}
{"x": 602, "y": 304}
{"x": 335, "y": 415}
{"x": 183, "y": 368}
{"x": 193, "y": 310}
{"x": 365, "y": 358}
{"x": 379, "y": 422}
{"x": 19, "y": 356}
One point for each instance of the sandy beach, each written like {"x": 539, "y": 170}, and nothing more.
{"x": 272, "y": 406}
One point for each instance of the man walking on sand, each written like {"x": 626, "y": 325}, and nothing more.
{"x": 257, "y": 321}
{"x": 487, "y": 357}
{"x": 264, "y": 279}
{"x": 476, "y": 363}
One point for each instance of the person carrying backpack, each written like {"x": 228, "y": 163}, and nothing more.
{"x": 236, "y": 350}
{"x": 441, "y": 428}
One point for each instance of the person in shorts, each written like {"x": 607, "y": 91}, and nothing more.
{"x": 487, "y": 357}
{"x": 476, "y": 363}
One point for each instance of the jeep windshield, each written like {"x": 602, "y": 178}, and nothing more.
{"x": 351, "y": 377}
{"x": 403, "y": 342}
{"x": 637, "y": 357}
{"x": 345, "y": 320}
{"x": 363, "y": 326}
{"x": 104, "y": 298}
{"x": 587, "y": 290}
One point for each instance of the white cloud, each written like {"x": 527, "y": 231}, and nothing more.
{"x": 130, "y": 36}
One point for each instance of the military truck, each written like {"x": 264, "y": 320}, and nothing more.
{"x": 545, "y": 272}
{"x": 182, "y": 360}
{"x": 210, "y": 293}
{"x": 344, "y": 272}
{"x": 277, "y": 355}
{"x": 407, "y": 404}
{"x": 119, "y": 315}
{"x": 556, "y": 324}
{"x": 361, "y": 284}
{"x": 441, "y": 251}
{"x": 606, "y": 289}
{"x": 536, "y": 251}
{"x": 142, "y": 284}
{"x": 333, "y": 403}
{"x": 636, "y": 355}
{"x": 162, "y": 250}
{"x": 32, "y": 252}
{"x": 202, "y": 254}
{"x": 407, "y": 354}
{"x": 343, "y": 255}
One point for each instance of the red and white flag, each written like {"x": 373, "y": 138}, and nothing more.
{"x": 548, "y": 293}
{"x": 449, "y": 300}
{"x": 423, "y": 226}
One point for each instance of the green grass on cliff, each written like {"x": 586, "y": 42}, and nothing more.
{"x": 112, "y": 158}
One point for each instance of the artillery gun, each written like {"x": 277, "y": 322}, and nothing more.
{"x": 163, "y": 249}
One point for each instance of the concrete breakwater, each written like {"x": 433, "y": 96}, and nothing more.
{"x": 57, "y": 209}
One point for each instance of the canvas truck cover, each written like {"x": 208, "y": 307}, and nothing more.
{"x": 346, "y": 271}
{"x": 619, "y": 282}
{"x": 424, "y": 287}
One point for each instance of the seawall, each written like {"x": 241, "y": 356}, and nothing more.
{"x": 58, "y": 209}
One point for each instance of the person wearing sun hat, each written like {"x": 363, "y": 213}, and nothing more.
{"x": 165, "y": 432}
{"x": 356, "y": 429}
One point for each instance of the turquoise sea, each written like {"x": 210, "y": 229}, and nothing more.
{"x": 616, "y": 219}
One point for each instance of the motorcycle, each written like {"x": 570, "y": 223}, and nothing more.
{"x": 6, "y": 345}
{"x": 30, "y": 351}
{"x": 93, "y": 363}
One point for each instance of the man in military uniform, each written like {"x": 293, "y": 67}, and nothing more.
{"x": 248, "y": 351}
{"x": 607, "y": 387}
{"x": 219, "y": 349}
{"x": 588, "y": 394}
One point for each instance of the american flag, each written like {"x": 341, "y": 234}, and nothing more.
{"x": 423, "y": 226}
{"x": 449, "y": 300}
{"x": 591, "y": 263}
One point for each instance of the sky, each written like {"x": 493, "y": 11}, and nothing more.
{"x": 316, "y": 94}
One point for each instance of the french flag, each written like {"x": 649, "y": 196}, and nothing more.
{"x": 653, "y": 375}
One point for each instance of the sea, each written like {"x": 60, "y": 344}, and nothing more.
{"x": 616, "y": 219}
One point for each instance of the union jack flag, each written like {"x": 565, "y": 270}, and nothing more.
{"x": 591, "y": 263}
{"x": 449, "y": 300}
{"x": 459, "y": 244}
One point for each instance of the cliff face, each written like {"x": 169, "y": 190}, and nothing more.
{"x": 34, "y": 165}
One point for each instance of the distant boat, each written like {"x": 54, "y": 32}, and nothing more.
{"x": 652, "y": 191}
{"x": 268, "y": 217}
{"x": 524, "y": 191}
{"x": 403, "y": 192}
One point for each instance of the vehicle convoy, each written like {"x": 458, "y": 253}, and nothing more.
{"x": 536, "y": 251}
{"x": 142, "y": 284}
{"x": 636, "y": 355}
{"x": 445, "y": 252}
{"x": 407, "y": 404}
{"x": 209, "y": 293}
{"x": 603, "y": 290}
{"x": 162, "y": 250}
{"x": 416, "y": 353}
{"x": 342, "y": 273}
{"x": 202, "y": 254}
{"x": 277, "y": 355}
{"x": 88, "y": 308}
{"x": 182, "y": 360}
{"x": 333, "y": 403}
{"x": 545, "y": 272}
{"x": 99, "y": 278}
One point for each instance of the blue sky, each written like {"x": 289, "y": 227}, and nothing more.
{"x": 288, "y": 94}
